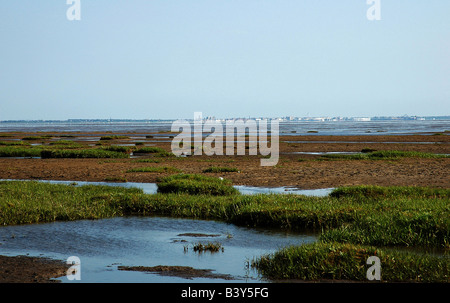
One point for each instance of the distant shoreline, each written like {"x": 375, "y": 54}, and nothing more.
{"x": 284, "y": 119}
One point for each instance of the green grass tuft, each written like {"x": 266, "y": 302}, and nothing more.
{"x": 31, "y": 138}
{"x": 196, "y": 185}
{"x": 384, "y": 155}
{"x": 16, "y": 151}
{"x": 120, "y": 149}
{"x": 220, "y": 170}
{"x": 65, "y": 144}
{"x": 149, "y": 150}
{"x": 14, "y": 143}
{"x": 211, "y": 247}
{"x": 112, "y": 137}
{"x": 83, "y": 153}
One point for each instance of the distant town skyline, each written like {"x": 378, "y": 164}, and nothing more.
{"x": 282, "y": 118}
{"x": 158, "y": 59}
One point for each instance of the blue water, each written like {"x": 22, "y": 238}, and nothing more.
{"x": 384, "y": 127}
{"x": 103, "y": 245}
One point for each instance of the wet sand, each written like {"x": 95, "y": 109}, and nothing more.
{"x": 303, "y": 171}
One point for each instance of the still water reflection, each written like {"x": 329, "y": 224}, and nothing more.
{"x": 103, "y": 245}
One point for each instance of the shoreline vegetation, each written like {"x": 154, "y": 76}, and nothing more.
{"x": 353, "y": 222}
{"x": 72, "y": 150}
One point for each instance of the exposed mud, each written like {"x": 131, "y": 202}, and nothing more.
{"x": 197, "y": 235}
{"x": 25, "y": 269}
{"x": 185, "y": 272}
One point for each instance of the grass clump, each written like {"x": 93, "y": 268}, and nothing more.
{"x": 160, "y": 169}
{"x": 31, "y": 138}
{"x": 119, "y": 149}
{"x": 384, "y": 155}
{"x": 395, "y": 229}
{"x": 395, "y": 216}
{"x": 149, "y": 150}
{"x": 26, "y": 202}
{"x": 220, "y": 170}
{"x": 82, "y": 153}
{"x": 196, "y": 185}
{"x": 16, "y": 151}
{"x": 371, "y": 192}
{"x": 66, "y": 144}
{"x": 156, "y": 151}
{"x": 116, "y": 179}
{"x": 14, "y": 143}
{"x": 112, "y": 137}
{"x": 147, "y": 160}
{"x": 211, "y": 247}
{"x": 342, "y": 261}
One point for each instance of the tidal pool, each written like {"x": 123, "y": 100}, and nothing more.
{"x": 104, "y": 245}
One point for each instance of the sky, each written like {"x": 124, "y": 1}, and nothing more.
{"x": 166, "y": 59}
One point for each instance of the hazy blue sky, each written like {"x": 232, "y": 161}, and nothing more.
{"x": 170, "y": 58}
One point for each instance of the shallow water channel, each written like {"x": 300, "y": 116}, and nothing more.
{"x": 104, "y": 245}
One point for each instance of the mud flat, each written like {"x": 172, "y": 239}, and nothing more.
{"x": 25, "y": 269}
{"x": 298, "y": 165}
{"x": 185, "y": 272}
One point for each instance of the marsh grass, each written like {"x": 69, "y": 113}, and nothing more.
{"x": 220, "y": 169}
{"x": 43, "y": 137}
{"x": 210, "y": 246}
{"x": 118, "y": 148}
{"x": 165, "y": 154}
{"x": 389, "y": 220}
{"x": 383, "y": 155}
{"x": 344, "y": 261}
{"x": 61, "y": 149}
{"x": 112, "y": 137}
{"x": 24, "y": 202}
{"x": 372, "y": 192}
{"x": 149, "y": 150}
{"x": 353, "y": 222}
{"x": 155, "y": 151}
{"x": 195, "y": 185}
{"x": 82, "y": 153}
{"x": 65, "y": 144}
{"x": 116, "y": 179}
{"x": 14, "y": 143}
{"x": 18, "y": 151}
